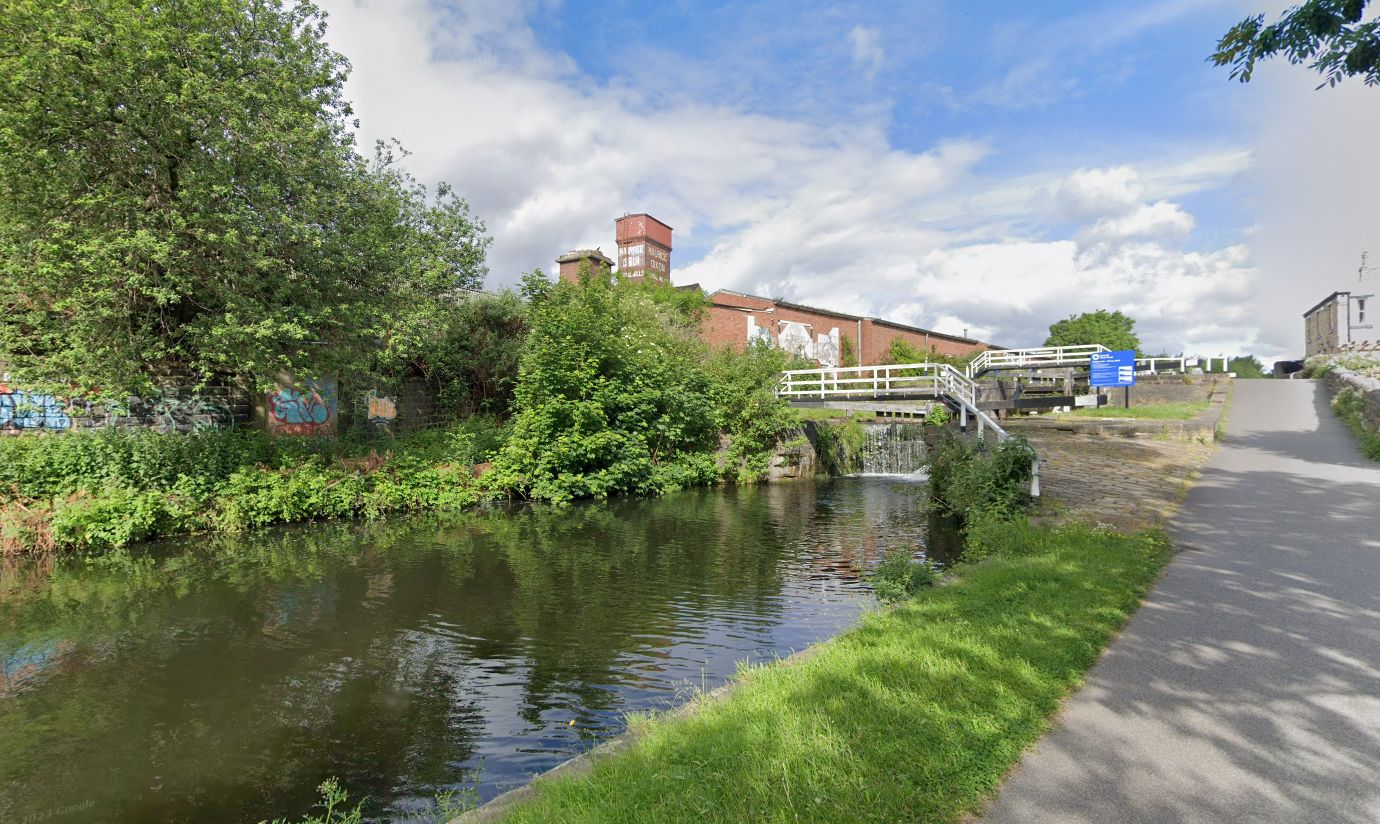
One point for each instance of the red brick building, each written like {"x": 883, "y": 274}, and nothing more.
{"x": 817, "y": 334}
{"x": 733, "y": 318}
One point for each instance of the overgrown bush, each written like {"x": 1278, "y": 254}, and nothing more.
{"x": 469, "y": 354}
{"x": 101, "y": 491}
{"x": 899, "y": 576}
{"x": 616, "y": 395}
{"x": 1350, "y": 406}
{"x": 986, "y": 490}
{"x": 839, "y": 445}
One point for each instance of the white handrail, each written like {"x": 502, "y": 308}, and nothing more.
{"x": 935, "y": 379}
{"x": 1032, "y": 357}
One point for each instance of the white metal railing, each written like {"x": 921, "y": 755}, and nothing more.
{"x": 1052, "y": 356}
{"x": 1179, "y": 364}
{"x": 1037, "y": 357}
{"x": 939, "y": 380}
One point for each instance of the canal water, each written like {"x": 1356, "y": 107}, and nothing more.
{"x": 222, "y": 679}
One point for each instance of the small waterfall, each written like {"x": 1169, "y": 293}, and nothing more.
{"x": 893, "y": 449}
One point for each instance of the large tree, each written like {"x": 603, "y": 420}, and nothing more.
{"x": 1111, "y": 329}
{"x": 1328, "y": 35}
{"x": 180, "y": 192}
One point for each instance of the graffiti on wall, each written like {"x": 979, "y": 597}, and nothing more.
{"x": 827, "y": 348}
{"x": 308, "y": 409}
{"x": 795, "y": 338}
{"x": 170, "y": 413}
{"x": 758, "y": 334}
{"x": 382, "y": 410}
{"x": 20, "y": 409}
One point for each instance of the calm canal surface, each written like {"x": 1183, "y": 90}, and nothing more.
{"x": 222, "y": 679}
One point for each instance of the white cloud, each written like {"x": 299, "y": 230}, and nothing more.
{"x": 830, "y": 216}
{"x": 867, "y": 49}
{"x": 1096, "y": 192}
{"x": 1148, "y": 220}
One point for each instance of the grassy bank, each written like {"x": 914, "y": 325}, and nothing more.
{"x": 1350, "y": 406}
{"x": 1172, "y": 411}
{"x": 913, "y": 716}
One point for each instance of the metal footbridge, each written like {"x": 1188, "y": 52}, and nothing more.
{"x": 890, "y": 382}
{"x": 876, "y": 387}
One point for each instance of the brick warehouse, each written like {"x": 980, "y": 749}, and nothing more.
{"x": 734, "y": 318}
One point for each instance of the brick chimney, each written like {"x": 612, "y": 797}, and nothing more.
{"x": 569, "y": 263}
{"x": 644, "y": 248}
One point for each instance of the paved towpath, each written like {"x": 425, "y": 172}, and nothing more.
{"x": 1247, "y": 688}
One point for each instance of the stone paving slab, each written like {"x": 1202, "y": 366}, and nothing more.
{"x": 1126, "y": 483}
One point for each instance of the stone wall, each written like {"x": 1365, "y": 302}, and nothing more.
{"x": 1339, "y": 379}
{"x": 1151, "y": 389}
{"x": 174, "y": 409}
{"x": 796, "y": 457}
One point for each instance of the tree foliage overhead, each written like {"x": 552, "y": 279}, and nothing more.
{"x": 180, "y": 191}
{"x": 1328, "y": 35}
{"x": 1111, "y": 329}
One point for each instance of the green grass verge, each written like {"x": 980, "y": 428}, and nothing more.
{"x": 915, "y": 715}
{"x": 1350, "y": 407}
{"x": 1175, "y": 411}
{"x": 809, "y": 413}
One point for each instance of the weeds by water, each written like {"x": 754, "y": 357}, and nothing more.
{"x": 899, "y": 576}
{"x": 335, "y": 808}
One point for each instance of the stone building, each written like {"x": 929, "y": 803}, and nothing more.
{"x": 1338, "y": 323}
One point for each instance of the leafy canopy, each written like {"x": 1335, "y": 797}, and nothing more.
{"x": 1111, "y": 329}
{"x": 180, "y": 191}
{"x": 1328, "y": 35}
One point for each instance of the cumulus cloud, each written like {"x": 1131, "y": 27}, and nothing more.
{"x": 834, "y": 216}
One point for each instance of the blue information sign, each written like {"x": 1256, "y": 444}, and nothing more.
{"x": 1114, "y": 368}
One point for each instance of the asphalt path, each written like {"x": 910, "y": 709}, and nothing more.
{"x": 1247, "y": 688}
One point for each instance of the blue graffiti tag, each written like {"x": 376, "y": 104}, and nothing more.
{"x": 312, "y": 405}
{"x": 29, "y": 410}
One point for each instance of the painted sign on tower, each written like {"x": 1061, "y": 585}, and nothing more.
{"x": 644, "y": 248}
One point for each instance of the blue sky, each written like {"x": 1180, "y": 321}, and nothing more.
{"x": 989, "y": 166}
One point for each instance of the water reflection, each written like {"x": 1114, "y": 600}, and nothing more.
{"x": 222, "y": 679}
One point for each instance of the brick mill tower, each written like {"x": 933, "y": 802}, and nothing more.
{"x": 644, "y": 248}
{"x": 570, "y": 263}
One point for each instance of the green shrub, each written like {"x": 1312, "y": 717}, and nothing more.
{"x": 987, "y": 491}
{"x": 117, "y": 517}
{"x": 899, "y": 576}
{"x": 1350, "y": 405}
{"x": 938, "y": 415}
{"x": 101, "y": 491}
{"x": 616, "y": 395}
{"x": 839, "y": 445}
